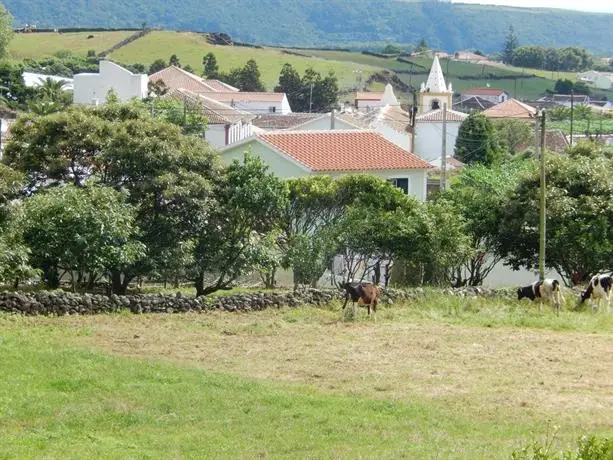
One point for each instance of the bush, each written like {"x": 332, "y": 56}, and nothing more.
{"x": 588, "y": 448}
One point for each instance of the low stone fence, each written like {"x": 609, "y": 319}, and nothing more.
{"x": 59, "y": 303}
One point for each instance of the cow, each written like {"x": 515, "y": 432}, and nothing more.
{"x": 599, "y": 287}
{"x": 548, "y": 289}
{"x": 364, "y": 294}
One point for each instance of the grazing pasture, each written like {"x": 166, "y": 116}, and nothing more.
{"x": 438, "y": 378}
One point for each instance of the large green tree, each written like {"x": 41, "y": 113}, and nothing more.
{"x": 229, "y": 243}
{"x": 479, "y": 194}
{"x": 309, "y": 93}
{"x": 290, "y": 83}
{"x": 211, "y": 68}
{"x": 477, "y": 141}
{"x": 514, "y": 134}
{"x": 86, "y": 231}
{"x": 579, "y": 221}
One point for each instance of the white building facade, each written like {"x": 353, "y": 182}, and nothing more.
{"x": 428, "y": 134}
{"x": 93, "y": 88}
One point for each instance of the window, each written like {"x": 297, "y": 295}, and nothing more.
{"x": 435, "y": 104}
{"x": 272, "y": 109}
{"x": 402, "y": 183}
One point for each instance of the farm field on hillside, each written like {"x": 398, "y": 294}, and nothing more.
{"x": 40, "y": 45}
{"x": 191, "y": 48}
{"x": 439, "y": 378}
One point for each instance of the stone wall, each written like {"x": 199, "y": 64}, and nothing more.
{"x": 66, "y": 303}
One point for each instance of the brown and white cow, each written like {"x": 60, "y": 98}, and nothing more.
{"x": 365, "y": 294}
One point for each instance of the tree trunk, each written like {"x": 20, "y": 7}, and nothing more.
{"x": 199, "y": 283}
{"x": 119, "y": 285}
{"x": 52, "y": 278}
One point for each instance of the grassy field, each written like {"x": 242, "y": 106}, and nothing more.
{"x": 191, "y": 47}
{"x": 438, "y": 379}
{"x": 40, "y": 45}
{"x": 604, "y": 125}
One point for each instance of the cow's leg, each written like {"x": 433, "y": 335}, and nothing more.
{"x": 608, "y": 299}
{"x": 374, "y": 309}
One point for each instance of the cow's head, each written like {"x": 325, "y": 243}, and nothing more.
{"x": 520, "y": 294}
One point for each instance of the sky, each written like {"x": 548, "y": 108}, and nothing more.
{"x": 605, "y": 6}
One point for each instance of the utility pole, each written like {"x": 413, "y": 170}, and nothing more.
{"x": 332, "y": 119}
{"x": 444, "y": 151}
{"x": 311, "y": 99}
{"x": 572, "y": 114}
{"x": 543, "y": 220}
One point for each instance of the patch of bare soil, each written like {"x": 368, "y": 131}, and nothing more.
{"x": 533, "y": 372}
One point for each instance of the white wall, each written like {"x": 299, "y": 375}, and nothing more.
{"x": 216, "y": 134}
{"x": 429, "y": 139}
{"x": 262, "y": 107}
{"x": 92, "y": 88}
{"x": 402, "y": 140}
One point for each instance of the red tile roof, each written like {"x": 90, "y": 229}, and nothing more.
{"x": 369, "y": 96}
{"x": 484, "y": 91}
{"x": 511, "y": 108}
{"x": 329, "y": 151}
{"x": 230, "y": 96}
{"x": 176, "y": 78}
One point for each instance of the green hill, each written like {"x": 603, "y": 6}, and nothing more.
{"x": 346, "y": 23}
{"x": 190, "y": 47}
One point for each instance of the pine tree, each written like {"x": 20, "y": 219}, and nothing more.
{"x": 510, "y": 44}
{"x": 250, "y": 77}
{"x": 174, "y": 60}
{"x": 291, "y": 84}
{"x": 211, "y": 69}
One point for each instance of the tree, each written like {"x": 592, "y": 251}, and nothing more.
{"x": 510, "y": 45}
{"x": 211, "y": 69}
{"x": 325, "y": 91}
{"x": 50, "y": 97}
{"x": 6, "y": 29}
{"x": 168, "y": 176}
{"x": 174, "y": 60}
{"x": 250, "y": 202}
{"x": 564, "y": 86}
{"x": 188, "y": 68}
{"x": 157, "y": 65}
{"x": 250, "y": 77}
{"x": 290, "y": 83}
{"x": 513, "y": 134}
{"x": 477, "y": 141}
{"x": 579, "y": 227}
{"x": 421, "y": 46}
{"x": 80, "y": 231}
{"x": 478, "y": 194}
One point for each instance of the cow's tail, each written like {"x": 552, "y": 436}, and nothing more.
{"x": 557, "y": 292}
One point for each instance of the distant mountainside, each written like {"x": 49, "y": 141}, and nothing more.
{"x": 340, "y": 23}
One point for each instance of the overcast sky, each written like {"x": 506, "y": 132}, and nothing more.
{"x": 605, "y": 6}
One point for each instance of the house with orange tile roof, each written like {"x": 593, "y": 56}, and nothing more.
{"x": 176, "y": 78}
{"x": 511, "y": 108}
{"x": 225, "y": 125}
{"x": 291, "y": 154}
{"x": 253, "y": 102}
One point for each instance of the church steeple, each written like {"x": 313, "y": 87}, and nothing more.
{"x": 435, "y": 92}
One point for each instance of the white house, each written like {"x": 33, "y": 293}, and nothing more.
{"x": 34, "y": 80}
{"x": 256, "y": 103}
{"x": 428, "y": 133}
{"x": 92, "y": 88}
{"x": 225, "y": 125}
{"x": 291, "y": 154}
{"x": 601, "y": 80}
{"x": 177, "y": 78}
{"x": 493, "y": 95}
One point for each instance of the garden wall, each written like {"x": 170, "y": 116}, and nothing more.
{"x": 66, "y": 303}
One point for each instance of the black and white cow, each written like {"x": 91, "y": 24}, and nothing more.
{"x": 599, "y": 288}
{"x": 548, "y": 290}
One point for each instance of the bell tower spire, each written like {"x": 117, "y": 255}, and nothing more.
{"x": 435, "y": 92}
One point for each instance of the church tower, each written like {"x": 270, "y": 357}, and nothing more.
{"x": 434, "y": 93}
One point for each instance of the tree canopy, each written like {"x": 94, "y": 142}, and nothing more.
{"x": 477, "y": 141}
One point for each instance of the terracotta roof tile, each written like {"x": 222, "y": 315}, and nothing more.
{"x": 483, "y": 92}
{"x": 288, "y": 121}
{"x": 176, "y": 78}
{"x": 329, "y": 151}
{"x": 214, "y": 111}
{"x": 230, "y": 96}
{"x": 437, "y": 116}
{"x": 511, "y": 108}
